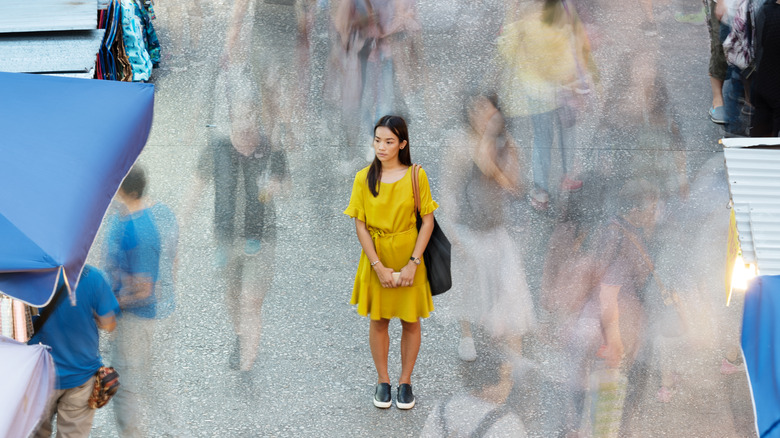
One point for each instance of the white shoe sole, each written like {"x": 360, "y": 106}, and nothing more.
{"x": 404, "y": 405}
{"x": 466, "y": 350}
{"x": 383, "y": 405}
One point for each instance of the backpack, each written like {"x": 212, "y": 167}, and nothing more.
{"x": 738, "y": 46}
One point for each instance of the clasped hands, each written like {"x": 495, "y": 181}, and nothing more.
{"x": 386, "y": 275}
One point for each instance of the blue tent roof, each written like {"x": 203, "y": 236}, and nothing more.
{"x": 760, "y": 340}
{"x": 65, "y": 146}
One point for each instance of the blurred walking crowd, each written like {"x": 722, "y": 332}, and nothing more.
{"x": 587, "y": 282}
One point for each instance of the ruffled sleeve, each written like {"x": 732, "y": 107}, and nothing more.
{"x": 356, "y": 207}
{"x": 427, "y": 204}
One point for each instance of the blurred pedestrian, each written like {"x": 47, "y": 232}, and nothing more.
{"x": 383, "y": 208}
{"x": 377, "y": 49}
{"x": 570, "y": 277}
{"x": 248, "y": 256}
{"x": 239, "y": 156}
{"x": 481, "y": 174}
{"x": 736, "y": 35}
{"x": 765, "y": 93}
{"x": 404, "y": 39}
{"x": 718, "y": 64}
{"x": 248, "y": 174}
{"x": 622, "y": 300}
{"x": 546, "y": 58}
{"x": 607, "y": 334}
{"x": 135, "y": 250}
{"x": 482, "y": 408}
{"x": 261, "y": 44}
{"x": 639, "y": 127}
{"x": 72, "y": 333}
{"x": 358, "y": 37}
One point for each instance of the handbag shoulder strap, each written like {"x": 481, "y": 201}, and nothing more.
{"x": 48, "y": 310}
{"x": 443, "y": 418}
{"x": 635, "y": 240}
{"x": 416, "y": 186}
{"x": 489, "y": 420}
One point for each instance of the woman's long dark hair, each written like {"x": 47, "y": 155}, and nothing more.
{"x": 398, "y": 126}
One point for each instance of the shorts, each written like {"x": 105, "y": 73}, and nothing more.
{"x": 718, "y": 64}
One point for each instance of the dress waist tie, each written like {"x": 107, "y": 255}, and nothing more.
{"x": 376, "y": 234}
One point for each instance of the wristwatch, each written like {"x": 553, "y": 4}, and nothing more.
{"x": 416, "y": 260}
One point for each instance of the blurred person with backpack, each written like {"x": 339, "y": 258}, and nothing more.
{"x": 139, "y": 260}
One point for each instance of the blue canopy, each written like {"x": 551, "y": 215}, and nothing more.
{"x": 65, "y": 146}
{"x": 760, "y": 347}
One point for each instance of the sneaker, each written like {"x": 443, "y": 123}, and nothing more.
{"x": 727, "y": 368}
{"x": 466, "y": 350}
{"x": 382, "y": 397}
{"x": 252, "y": 247}
{"x": 718, "y": 115}
{"x": 404, "y": 398}
{"x": 221, "y": 256}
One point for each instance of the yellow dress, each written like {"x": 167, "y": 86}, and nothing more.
{"x": 391, "y": 219}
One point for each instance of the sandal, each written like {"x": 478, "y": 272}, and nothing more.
{"x": 539, "y": 199}
{"x": 727, "y": 368}
{"x": 570, "y": 185}
{"x": 664, "y": 394}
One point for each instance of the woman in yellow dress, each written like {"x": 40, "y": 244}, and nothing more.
{"x": 382, "y": 204}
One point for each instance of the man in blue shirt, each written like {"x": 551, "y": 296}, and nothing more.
{"x": 72, "y": 334}
{"x": 136, "y": 249}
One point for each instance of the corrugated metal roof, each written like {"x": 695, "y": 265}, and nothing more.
{"x": 47, "y": 15}
{"x": 50, "y": 52}
{"x": 753, "y": 168}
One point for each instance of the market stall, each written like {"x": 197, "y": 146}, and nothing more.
{"x": 753, "y": 167}
{"x": 63, "y": 158}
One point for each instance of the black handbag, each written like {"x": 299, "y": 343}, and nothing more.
{"x": 437, "y": 254}
{"x": 673, "y": 320}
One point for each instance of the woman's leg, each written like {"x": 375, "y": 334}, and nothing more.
{"x": 543, "y": 136}
{"x": 410, "y": 346}
{"x": 255, "y": 282}
{"x": 379, "y": 341}
{"x": 465, "y": 329}
{"x": 466, "y": 349}
{"x": 253, "y": 209}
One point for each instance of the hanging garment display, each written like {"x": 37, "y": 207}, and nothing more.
{"x": 133, "y": 37}
{"x": 130, "y": 47}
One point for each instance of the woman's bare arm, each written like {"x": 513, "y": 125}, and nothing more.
{"x": 423, "y": 236}
{"x": 610, "y": 323}
{"x": 364, "y": 236}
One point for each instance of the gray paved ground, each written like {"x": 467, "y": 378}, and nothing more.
{"x": 313, "y": 375}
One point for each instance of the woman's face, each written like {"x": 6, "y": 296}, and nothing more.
{"x": 386, "y": 145}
